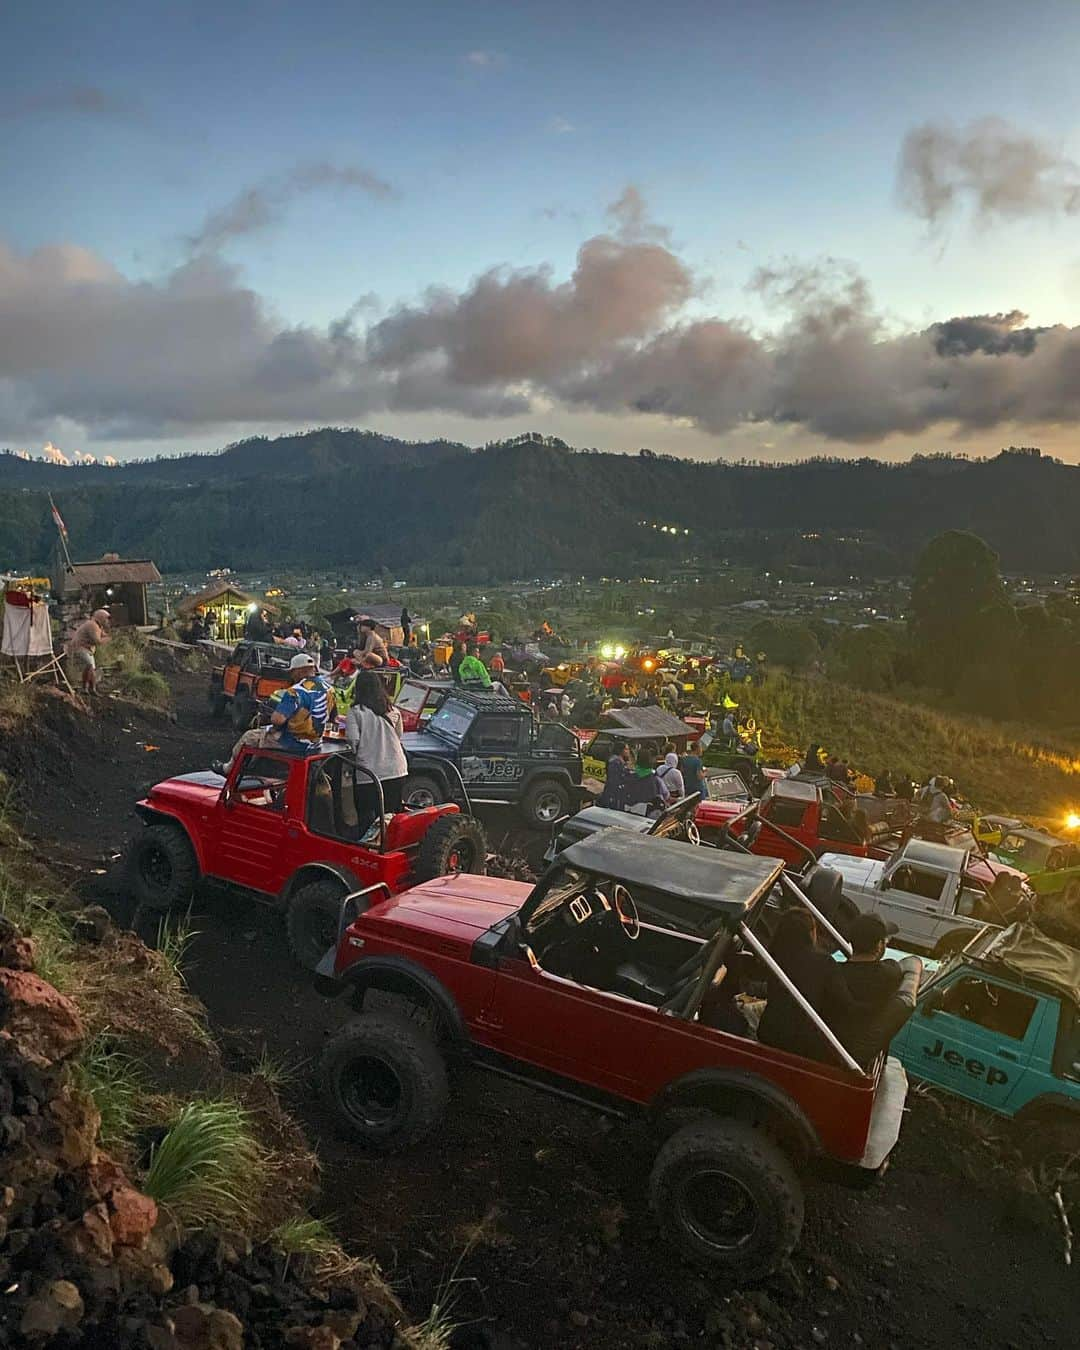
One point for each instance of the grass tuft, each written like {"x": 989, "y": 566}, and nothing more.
{"x": 206, "y": 1170}
{"x": 174, "y": 938}
{"x": 277, "y": 1074}
{"x": 115, "y": 1084}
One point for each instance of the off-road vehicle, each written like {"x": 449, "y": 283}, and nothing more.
{"x": 287, "y": 827}
{"x": 254, "y": 672}
{"x": 616, "y": 981}
{"x": 496, "y": 748}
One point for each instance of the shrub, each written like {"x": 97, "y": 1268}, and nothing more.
{"x": 207, "y": 1168}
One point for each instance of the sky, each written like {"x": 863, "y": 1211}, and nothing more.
{"x": 716, "y": 229}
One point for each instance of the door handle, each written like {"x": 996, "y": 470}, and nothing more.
{"x": 1005, "y": 1054}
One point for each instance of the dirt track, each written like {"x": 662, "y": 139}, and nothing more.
{"x": 548, "y": 1199}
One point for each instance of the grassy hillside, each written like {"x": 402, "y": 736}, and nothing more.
{"x": 997, "y": 765}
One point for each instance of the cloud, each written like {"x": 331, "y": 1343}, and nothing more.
{"x": 561, "y": 126}
{"x": 54, "y": 454}
{"x": 484, "y": 59}
{"x": 998, "y": 171}
{"x": 85, "y": 348}
{"x": 85, "y": 100}
{"x": 257, "y": 207}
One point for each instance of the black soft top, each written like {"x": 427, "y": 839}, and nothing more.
{"x": 726, "y": 883}
{"x": 1026, "y": 951}
{"x": 486, "y": 700}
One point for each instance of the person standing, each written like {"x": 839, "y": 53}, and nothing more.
{"x": 644, "y": 791}
{"x": 693, "y": 772}
{"x": 373, "y": 729}
{"x": 86, "y": 639}
{"x": 472, "y": 670}
{"x": 618, "y": 775}
{"x": 497, "y": 665}
{"x": 670, "y": 776}
{"x": 456, "y": 658}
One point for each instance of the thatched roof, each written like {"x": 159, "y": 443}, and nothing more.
{"x": 220, "y": 592}
{"x": 656, "y": 721}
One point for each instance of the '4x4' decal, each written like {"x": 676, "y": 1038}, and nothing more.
{"x": 489, "y": 769}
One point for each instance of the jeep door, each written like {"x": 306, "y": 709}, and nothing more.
{"x": 493, "y": 756}
{"x": 974, "y": 1036}
{"x": 916, "y": 898}
{"x": 252, "y": 821}
{"x": 584, "y": 1034}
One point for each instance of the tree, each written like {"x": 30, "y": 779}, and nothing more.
{"x": 785, "y": 644}
{"x": 959, "y": 613}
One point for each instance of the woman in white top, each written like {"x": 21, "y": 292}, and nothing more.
{"x": 670, "y": 776}
{"x": 373, "y": 729}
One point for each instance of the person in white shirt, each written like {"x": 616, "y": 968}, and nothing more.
{"x": 373, "y": 729}
{"x": 671, "y": 778}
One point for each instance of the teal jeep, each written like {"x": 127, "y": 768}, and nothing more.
{"x": 999, "y": 1024}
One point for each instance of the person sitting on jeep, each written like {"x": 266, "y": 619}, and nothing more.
{"x": 369, "y": 642}
{"x": 815, "y": 975}
{"x": 299, "y": 716}
{"x": 865, "y": 1019}
{"x": 373, "y": 728}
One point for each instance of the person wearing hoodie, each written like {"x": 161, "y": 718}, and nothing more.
{"x": 670, "y": 776}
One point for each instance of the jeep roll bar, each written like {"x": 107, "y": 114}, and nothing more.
{"x": 765, "y": 822}
{"x": 347, "y": 900}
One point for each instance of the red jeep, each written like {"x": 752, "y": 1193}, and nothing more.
{"x": 794, "y": 820}
{"x": 618, "y": 980}
{"x": 287, "y": 827}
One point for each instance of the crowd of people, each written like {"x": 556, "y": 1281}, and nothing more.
{"x": 643, "y": 785}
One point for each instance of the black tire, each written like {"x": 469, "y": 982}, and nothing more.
{"x": 217, "y": 701}
{"x": 453, "y": 844}
{"x": 421, "y": 790}
{"x": 386, "y": 1080}
{"x": 544, "y": 803}
{"x": 162, "y": 870}
{"x": 727, "y": 1197}
{"x": 311, "y": 920}
{"x": 1053, "y": 1150}
{"x": 242, "y": 710}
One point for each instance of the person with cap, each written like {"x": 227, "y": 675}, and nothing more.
{"x": 869, "y": 983}
{"x": 86, "y": 639}
{"x": 299, "y": 717}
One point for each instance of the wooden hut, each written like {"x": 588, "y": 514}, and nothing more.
{"x": 226, "y": 606}
{"x": 113, "y": 583}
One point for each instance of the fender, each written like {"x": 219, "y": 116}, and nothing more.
{"x": 320, "y": 871}
{"x": 1050, "y": 1104}
{"x": 557, "y": 771}
{"x": 705, "y": 1086}
{"x": 153, "y": 815}
{"x": 397, "y": 974}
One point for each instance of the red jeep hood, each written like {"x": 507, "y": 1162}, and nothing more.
{"x": 461, "y": 905}
{"x": 203, "y": 786}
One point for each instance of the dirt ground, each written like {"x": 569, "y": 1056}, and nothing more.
{"x": 526, "y": 1215}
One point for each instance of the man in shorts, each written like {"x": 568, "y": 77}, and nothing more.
{"x": 86, "y": 639}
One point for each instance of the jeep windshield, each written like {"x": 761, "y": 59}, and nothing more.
{"x": 1029, "y": 852}
{"x": 452, "y": 721}
{"x": 411, "y": 697}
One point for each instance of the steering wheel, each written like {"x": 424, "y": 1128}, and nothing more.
{"x": 693, "y": 834}
{"x": 627, "y": 910}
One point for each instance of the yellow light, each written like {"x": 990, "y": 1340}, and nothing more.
{"x": 607, "y": 651}
{"x": 647, "y": 664}
{"x": 620, "y": 652}
{"x": 1072, "y": 821}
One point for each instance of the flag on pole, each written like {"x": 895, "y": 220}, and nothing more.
{"x": 58, "y": 519}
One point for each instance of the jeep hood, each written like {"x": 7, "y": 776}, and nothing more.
{"x": 863, "y": 874}
{"x": 423, "y": 743}
{"x": 455, "y": 907}
{"x": 202, "y": 786}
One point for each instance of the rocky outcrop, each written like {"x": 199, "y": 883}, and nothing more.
{"x": 86, "y": 1259}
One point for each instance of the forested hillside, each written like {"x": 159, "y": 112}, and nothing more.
{"x": 445, "y": 511}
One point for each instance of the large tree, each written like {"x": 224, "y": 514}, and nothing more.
{"x": 959, "y": 615}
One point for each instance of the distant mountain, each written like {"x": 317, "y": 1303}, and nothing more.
{"x": 327, "y": 450}
{"x": 443, "y": 512}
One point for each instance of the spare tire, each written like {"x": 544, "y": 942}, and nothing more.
{"x": 421, "y": 790}
{"x": 242, "y": 711}
{"x": 455, "y": 843}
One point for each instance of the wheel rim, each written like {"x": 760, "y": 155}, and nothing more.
{"x": 155, "y": 868}
{"x": 462, "y": 857}
{"x": 718, "y": 1209}
{"x": 420, "y": 798}
{"x": 548, "y": 807}
{"x": 371, "y": 1091}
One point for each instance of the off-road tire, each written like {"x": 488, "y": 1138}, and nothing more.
{"x": 242, "y": 710}
{"x": 311, "y": 920}
{"x": 217, "y": 702}
{"x": 402, "y": 1095}
{"x": 1051, "y": 1142}
{"x": 424, "y": 783}
{"x": 453, "y": 844}
{"x": 544, "y": 803}
{"x": 162, "y": 870}
{"x": 751, "y": 1163}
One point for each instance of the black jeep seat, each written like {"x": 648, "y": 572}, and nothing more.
{"x": 642, "y": 984}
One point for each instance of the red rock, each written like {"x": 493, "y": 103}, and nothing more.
{"x": 43, "y": 1026}
{"x": 132, "y": 1215}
